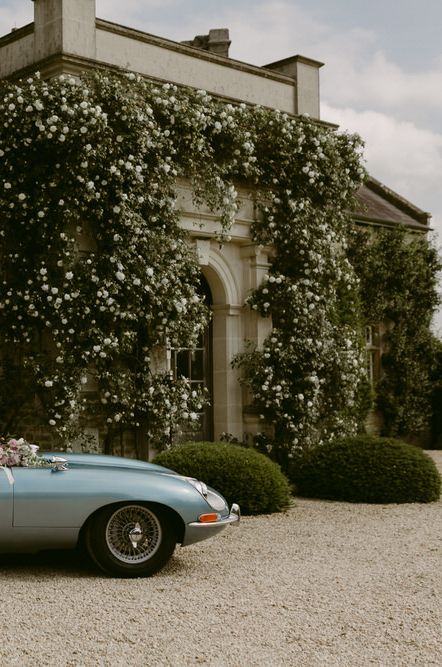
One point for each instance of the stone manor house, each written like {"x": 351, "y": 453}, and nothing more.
{"x": 67, "y": 37}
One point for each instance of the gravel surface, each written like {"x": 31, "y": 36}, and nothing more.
{"x": 325, "y": 584}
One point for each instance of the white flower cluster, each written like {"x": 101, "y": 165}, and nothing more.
{"x": 91, "y": 285}
{"x": 307, "y": 378}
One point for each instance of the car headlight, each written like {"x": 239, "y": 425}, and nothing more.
{"x": 199, "y": 486}
{"x": 215, "y": 500}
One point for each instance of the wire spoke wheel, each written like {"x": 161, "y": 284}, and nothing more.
{"x": 132, "y": 540}
{"x": 133, "y": 534}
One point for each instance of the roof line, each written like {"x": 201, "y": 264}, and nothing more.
{"x": 394, "y": 198}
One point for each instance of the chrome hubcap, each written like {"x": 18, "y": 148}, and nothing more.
{"x": 136, "y": 535}
{"x": 133, "y": 534}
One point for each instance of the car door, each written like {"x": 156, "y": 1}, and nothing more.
{"x": 6, "y": 500}
{"x": 44, "y": 498}
{"x": 55, "y": 500}
{"x": 47, "y": 511}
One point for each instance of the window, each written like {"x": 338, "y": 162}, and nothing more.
{"x": 195, "y": 364}
{"x": 190, "y": 363}
{"x": 373, "y": 353}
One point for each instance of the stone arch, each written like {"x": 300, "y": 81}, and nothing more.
{"x": 226, "y": 338}
{"x": 221, "y": 278}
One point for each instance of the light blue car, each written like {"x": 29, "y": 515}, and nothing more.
{"x": 129, "y": 514}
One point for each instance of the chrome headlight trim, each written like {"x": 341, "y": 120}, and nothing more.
{"x": 199, "y": 486}
{"x": 213, "y": 498}
{"x": 216, "y": 501}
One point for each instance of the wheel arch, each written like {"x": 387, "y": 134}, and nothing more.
{"x": 176, "y": 520}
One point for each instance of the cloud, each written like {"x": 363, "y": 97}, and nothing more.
{"x": 13, "y": 16}
{"x": 132, "y": 13}
{"x": 405, "y": 156}
{"x": 278, "y": 30}
{"x": 380, "y": 83}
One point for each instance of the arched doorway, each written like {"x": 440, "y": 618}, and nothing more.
{"x": 196, "y": 365}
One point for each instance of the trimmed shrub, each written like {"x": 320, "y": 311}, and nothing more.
{"x": 242, "y": 475}
{"x": 367, "y": 469}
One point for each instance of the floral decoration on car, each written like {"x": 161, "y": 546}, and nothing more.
{"x": 19, "y": 453}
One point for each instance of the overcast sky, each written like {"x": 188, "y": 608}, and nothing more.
{"x": 382, "y": 76}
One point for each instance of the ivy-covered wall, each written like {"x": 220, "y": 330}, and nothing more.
{"x": 398, "y": 273}
{"x": 97, "y": 273}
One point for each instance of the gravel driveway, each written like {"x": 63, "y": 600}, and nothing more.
{"x": 327, "y": 583}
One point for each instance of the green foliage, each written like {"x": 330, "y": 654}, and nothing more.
{"x": 96, "y": 270}
{"x": 398, "y": 286}
{"x": 368, "y": 470}
{"x": 308, "y": 379}
{"x": 241, "y": 474}
{"x": 436, "y": 397}
{"x": 98, "y": 274}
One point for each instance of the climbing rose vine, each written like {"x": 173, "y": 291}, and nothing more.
{"x": 96, "y": 271}
{"x": 308, "y": 380}
{"x": 97, "y": 274}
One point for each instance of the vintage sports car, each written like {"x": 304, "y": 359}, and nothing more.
{"x": 128, "y": 513}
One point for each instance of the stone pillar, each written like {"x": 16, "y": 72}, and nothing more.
{"x": 227, "y": 402}
{"x": 64, "y": 27}
{"x": 255, "y": 265}
{"x": 256, "y": 328}
{"x": 305, "y": 72}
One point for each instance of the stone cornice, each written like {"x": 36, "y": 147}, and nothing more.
{"x": 192, "y": 51}
{"x": 16, "y": 34}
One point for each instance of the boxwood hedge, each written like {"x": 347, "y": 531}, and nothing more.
{"x": 241, "y": 474}
{"x": 369, "y": 470}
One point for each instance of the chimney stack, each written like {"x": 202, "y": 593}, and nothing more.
{"x": 305, "y": 72}
{"x": 64, "y": 26}
{"x": 217, "y": 41}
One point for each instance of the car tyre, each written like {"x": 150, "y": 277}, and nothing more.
{"x": 130, "y": 540}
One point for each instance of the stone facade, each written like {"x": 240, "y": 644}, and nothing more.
{"x": 66, "y": 37}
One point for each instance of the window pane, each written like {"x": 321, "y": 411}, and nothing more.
{"x": 182, "y": 363}
{"x": 197, "y": 364}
